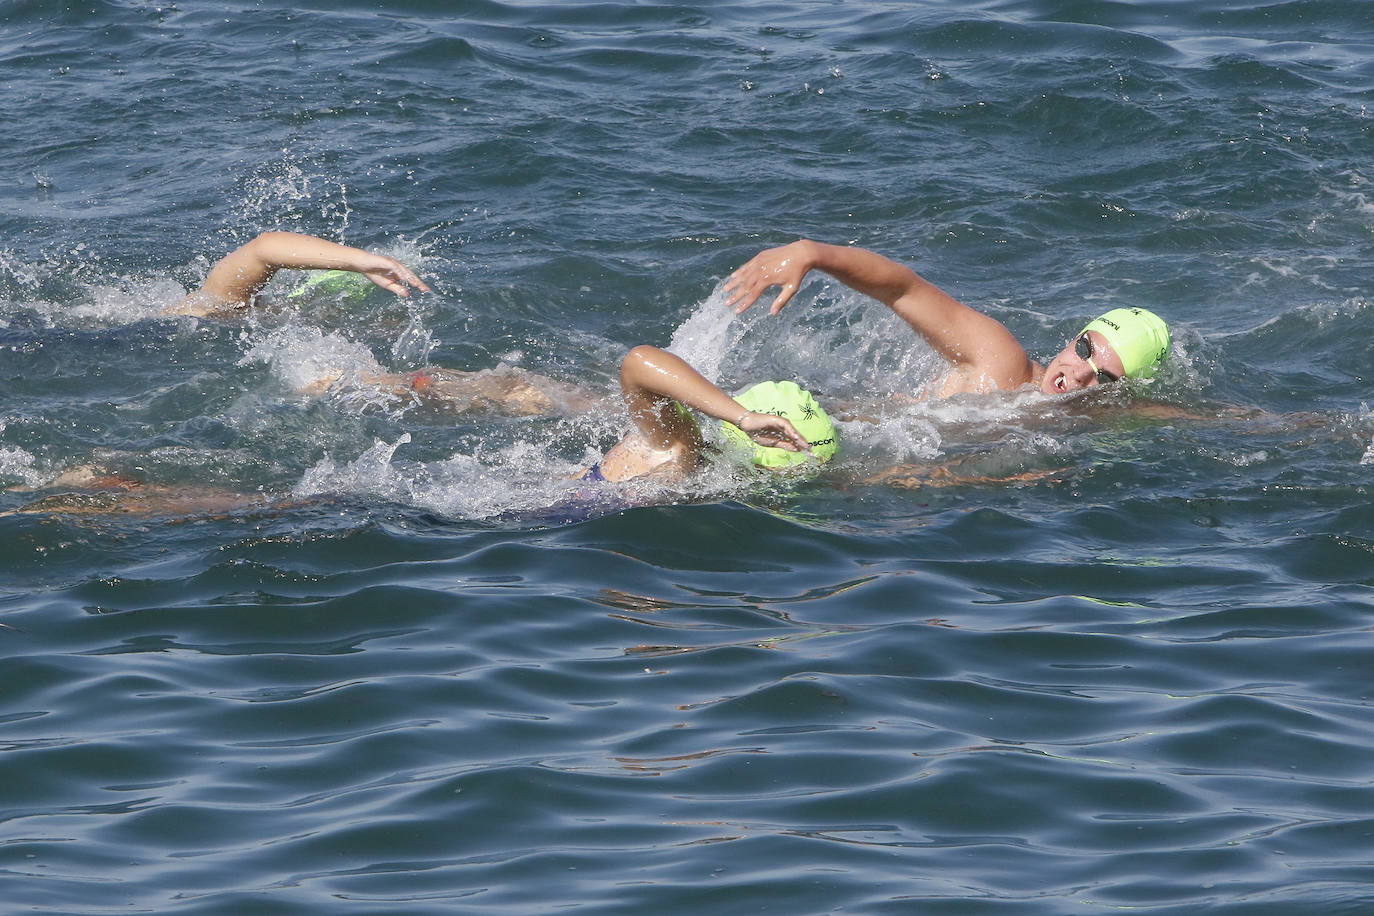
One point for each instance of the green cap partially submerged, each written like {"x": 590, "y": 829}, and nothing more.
{"x": 344, "y": 284}
{"x": 796, "y": 405}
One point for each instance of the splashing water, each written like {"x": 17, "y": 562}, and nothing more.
{"x": 17, "y": 464}
{"x": 301, "y": 356}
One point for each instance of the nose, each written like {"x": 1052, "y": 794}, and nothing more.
{"x": 1082, "y": 373}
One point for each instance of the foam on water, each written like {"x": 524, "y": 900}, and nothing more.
{"x": 18, "y": 465}
{"x": 519, "y": 477}
{"x": 300, "y": 356}
{"x": 106, "y": 302}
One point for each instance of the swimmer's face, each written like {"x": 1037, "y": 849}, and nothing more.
{"x": 1087, "y": 361}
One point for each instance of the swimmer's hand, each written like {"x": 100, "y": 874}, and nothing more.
{"x": 773, "y": 432}
{"x": 786, "y": 267}
{"x": 390, "y": 274}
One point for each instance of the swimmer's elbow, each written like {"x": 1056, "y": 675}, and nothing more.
{"x": 641, "y": 353}
{"x": 271, "y": 239}
{"x": 638, "y": 359}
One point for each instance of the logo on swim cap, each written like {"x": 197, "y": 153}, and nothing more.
{"x": 1139, "y": 337}
{"x": 797, "y": 406}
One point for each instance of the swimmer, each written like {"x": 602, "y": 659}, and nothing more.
{"x": 240, "y": 275}
{"x": 656, "y": 386}
{"x": 982, "y": 353}
{"x": 764, "y": 425}
{"x": 666, "y": 442}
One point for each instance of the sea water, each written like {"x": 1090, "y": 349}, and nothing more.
{"x": 1007, "y": 655}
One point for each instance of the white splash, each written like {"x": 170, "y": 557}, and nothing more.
{"x": 707, "y": 335}
{"x": 17, "y": 464}
{"x": 300, "y": 357}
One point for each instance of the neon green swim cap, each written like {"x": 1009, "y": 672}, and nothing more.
{"x": 794, "y": 404}
{"x": 1139, "y": 337}
{"x": 345, "y": 284}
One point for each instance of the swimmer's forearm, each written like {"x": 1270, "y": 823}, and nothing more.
{"x": 653, "y": 371}
{"x": 786, "y": 267}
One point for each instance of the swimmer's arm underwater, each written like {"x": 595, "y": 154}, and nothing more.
{"x": 240, "y": 275}
{"x": 915, "y": 476}
{"x": 982, "y": 351}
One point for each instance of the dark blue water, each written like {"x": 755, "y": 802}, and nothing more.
{"x": 350, "y": 654}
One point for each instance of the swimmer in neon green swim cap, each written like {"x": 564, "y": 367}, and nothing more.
{"x": 1139, "y": 337}
{"x": 982, "y": 354}
{"x": 666, "y": 442}
{"x": 236, "y": 279}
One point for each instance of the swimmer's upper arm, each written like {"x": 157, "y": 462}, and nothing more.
{"x": 233, "y": 282}
{"x": 240, "y": 275}
{"x": 977, "y": 344}
{"x": 651, "y": 380}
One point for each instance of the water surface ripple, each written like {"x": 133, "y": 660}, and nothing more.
{"x": 1106, "y": 654}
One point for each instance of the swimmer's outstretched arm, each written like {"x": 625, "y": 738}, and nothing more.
{"x": 241, "y": 274}
{"x": 651, "y": 379}
{"x": 977, "y": 345}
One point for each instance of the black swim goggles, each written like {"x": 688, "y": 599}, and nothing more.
{"x": 1083, "y": 346}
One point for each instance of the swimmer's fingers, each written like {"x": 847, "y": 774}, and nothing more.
{"x": 774, "y": 432}
{"x": 774, "y": 267}
{"x": 744, "y": 292}
{"x": 394, "y": 277}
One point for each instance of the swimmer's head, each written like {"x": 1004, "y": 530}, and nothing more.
{"x": 1139, "y": 337}
{"x": 1123, "y": 343}
{"x": 797, "y": 406}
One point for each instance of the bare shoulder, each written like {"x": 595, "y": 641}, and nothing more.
{"x": 632, "y": 458}
{"x": 1006, "y": 375}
